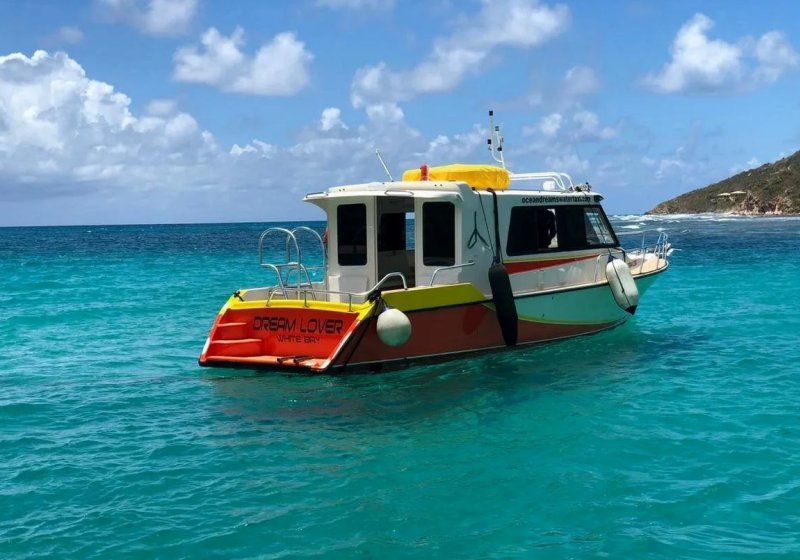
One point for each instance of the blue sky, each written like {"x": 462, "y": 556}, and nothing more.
{"x": 161, "y": 111}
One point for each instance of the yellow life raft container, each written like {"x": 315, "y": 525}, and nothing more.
{"x": 476, "y": 176}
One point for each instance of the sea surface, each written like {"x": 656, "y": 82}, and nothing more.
{"x": 676, "y": 435}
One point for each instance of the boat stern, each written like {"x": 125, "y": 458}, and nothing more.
{"x": 286, "y": 334}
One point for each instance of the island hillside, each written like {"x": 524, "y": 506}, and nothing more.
{"x": 773, "y": 188}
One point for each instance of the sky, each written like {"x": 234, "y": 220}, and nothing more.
{"x": 189, "y": 111}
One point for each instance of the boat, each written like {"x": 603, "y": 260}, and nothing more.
{"x": 448, "y": 262}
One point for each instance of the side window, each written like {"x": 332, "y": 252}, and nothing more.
{"x": 584, "y": 227}
{"x": 438, "y": 234}
{"x": 351, "y": 223}
{"x": 571, "y": 227}
{"x": 532, "y": 229}
{"x": 598, "y": 230}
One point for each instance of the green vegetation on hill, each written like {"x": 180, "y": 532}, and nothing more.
{"x": 773, "y": 188}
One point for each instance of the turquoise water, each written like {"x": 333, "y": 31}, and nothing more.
{"x": 674, "y": 436}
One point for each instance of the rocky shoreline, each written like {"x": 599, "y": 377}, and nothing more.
{"x": 780, "y": 206}
{"x": 772, "y": 189}
{"x": 747, "y": 205}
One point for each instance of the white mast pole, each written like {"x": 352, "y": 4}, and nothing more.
{"x": 495, "y": 142}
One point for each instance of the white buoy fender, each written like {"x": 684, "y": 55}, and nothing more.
{"x": 622, "y": 285}
{"x": 394, "y": 328}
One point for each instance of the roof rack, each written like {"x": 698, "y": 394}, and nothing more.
{"x": 551, "y": 180}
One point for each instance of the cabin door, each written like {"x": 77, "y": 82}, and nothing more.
{"x": 352, "y": 256}
{"x": 437, "y": 224}
{"x": 395, "y": 239}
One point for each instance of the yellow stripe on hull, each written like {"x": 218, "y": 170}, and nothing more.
{"x": 429, "y": 297}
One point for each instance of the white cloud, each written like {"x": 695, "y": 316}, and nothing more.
{"x": 674, "y": 166}
{"x": 675, "y": 170}
{"x": 279, "y": 67}
{"x": 589, "y": 127}
{"x": 154, "y": 17}
{"x": 580, "y": 81}
{"x": 181, "y": 125}
{"x": 167, "y": 17}
{"x": 570, "y": 141}
{"x": 562, "y": 96}
{"x": 582, "y": 126}
{"x": 698, "y": 62}
{"x": 161, "y": 107}
{"x": 321, "y": 161}
{"x": 262, "y": 149}
{"x": 667, "y": 166}
{"x": 66, "y": 35}
{"x": 355, "y": 4}
{"x": 568, "y": 160}
{"x": 533, "y": 99}
{"x": 64, "y": 134}
{"x": 446, "y": 149}
{"x": 385, "y": 113}
{"x": 548, "y": 125}
{"x": 775, "y": 56}
{"x": 703, "y": 65}
{"x": 331, "y": 118}
{"x": 85, "y": 132}
{"x": 515, "y": 23}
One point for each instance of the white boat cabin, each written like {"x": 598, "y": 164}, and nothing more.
{"x": 444, "y": 232}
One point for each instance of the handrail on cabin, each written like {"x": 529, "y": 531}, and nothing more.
{"x": 451, "y": 267}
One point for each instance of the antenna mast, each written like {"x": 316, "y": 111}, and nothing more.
{"x": 383, "y": 163}
{"x": 495, "y": 142}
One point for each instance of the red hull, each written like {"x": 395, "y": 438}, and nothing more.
{"x": 449, "y": 331}
{"x": 436, "y": 334}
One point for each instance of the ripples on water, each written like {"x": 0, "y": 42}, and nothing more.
{"x": 675, "y": 435}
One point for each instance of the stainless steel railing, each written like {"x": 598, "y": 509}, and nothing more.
{"x": 293, "y": 259}
{"x": 660, "y": 250}
{"x": 305, "y": 292}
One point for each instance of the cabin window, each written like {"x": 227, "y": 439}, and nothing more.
{"x": 533, "y": 229}
{"x": 598, "y": 230}
{"x": 438, "y": 234}
{"x": 584, "y": 227}
{"x": 351, "y": 234}
{"x": 571, "y": 228}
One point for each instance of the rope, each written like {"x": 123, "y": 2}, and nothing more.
{"x": 485, "y": 221}
{"x": 473, "y": 239}
{"x": 498, "y": 255}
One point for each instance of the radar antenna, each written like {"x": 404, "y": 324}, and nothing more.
{"x": 495, "y": 142}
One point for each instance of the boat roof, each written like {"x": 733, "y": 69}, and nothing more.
{"x": 390, "y": 188}
{"x": 437, "y": 182}
{"x": 443, "y": 189}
